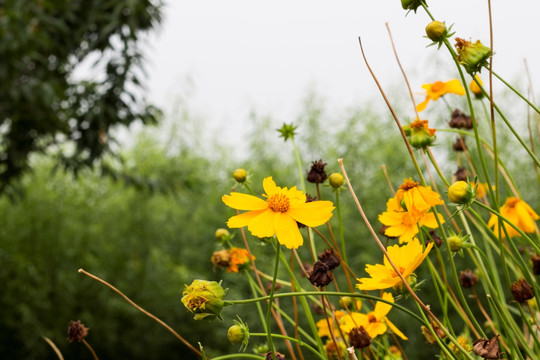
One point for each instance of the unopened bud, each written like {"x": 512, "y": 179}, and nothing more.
{"x": 436, "y": 31}
{"x": 336, "y": 180}
{"x": 461, "y": 193}
{"x": 240, "y": 175}
{"x": 472, "y": 56}
{"x": 455, "y": 243}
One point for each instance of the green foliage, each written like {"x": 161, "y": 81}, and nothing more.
{"x": 43, "y": 107}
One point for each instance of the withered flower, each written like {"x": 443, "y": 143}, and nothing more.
{"x": 460, "y": 121}
{"x": 468, "y": 278}
{"x": 279, "y": 356}
{"x": 76, "y": 331}
{"x": 488, "y": 349}
{"x": 317, "y": 175}
{"x": 330, "y": 258}
{"x": 221, "y": 258}
{"x": 461, "y": 174}
{"x": 536, "y": 264}
{"x": 459, "y": 145}
{"x": 434, "y": 237}
{"x": 521, "y": 291}
{"x": 359, "y": 337}
{"x": 321, "y": 274}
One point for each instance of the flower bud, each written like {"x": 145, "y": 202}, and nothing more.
{"x": 76, "y": 331}
{"x": 475, "y": 89}
{"x": 204, "y": 299}
{"x": 429, "y": 335}
{"x": 316, "y": 174}
{"x": 336, "y": 180}
{"x": 521, "y": 291}
{"x": 239, "y": 334}
{"x": 421, "y": 136}
{"x": 401, "y": 289}
{"x": 411, "y": 4}
{"x": 221, "y": 258}
{"x": 461, "y": 192}
{"x": 261, "y": 349}
{"x": 472, "y": 56}
{"x": 222, "y": 234}
{"x": 455, "y": 243}
{"x": 240, "y": 175}
{"x": 436, "y": 31}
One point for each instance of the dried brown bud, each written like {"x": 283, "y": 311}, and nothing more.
{"x": 435, "y": 238}
{"x": 468, "y": 278}
{"x": 488, "y": 349}
{"x": 460, "y": 120}
{"x": 268, "y": 286}
{"x": 321, "y": 274}
{"x": 461, "y": 174}
{"x": 221, "y": 258}
{"x": 459, "y": 145}
{"x": 317, "y": 175}
{"x": 536, "y": 264}
{"x": 330, "y": 258}
{"x": 359, "y": 338}
{"x": 279, "y": 356}
{"x": 521, "y": 291}
{"x": 76, "y": 331}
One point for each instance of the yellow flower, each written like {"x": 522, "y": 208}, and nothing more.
{"x": 406, "y": 258}
{"x": 475, "y": 89}
{"x": 438, "y": 89}
{"x": 375, "y": 322}
{"x": 322, "y": 325}
{"x": 238, "y": 258}
{"x": 279, "y": 214}
{"x": 519, "y": 213}
{"x": 417, "y": 199}
{"x": 403, "y": 224}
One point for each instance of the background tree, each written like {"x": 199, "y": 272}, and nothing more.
{"x": 43, "y": 108}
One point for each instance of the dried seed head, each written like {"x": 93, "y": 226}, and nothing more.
{"x": 221, "y": 258}
{"x": 459, "y": 145}
{"x": 521, "y": 291}
{"x": 317, "y": 175}
{"x": 461, "y": 174}
{"x": 487, "y": 349}
{"x": 460, "y": 121}
{"x": 468, "y": 278}
{"x": 76, "y": 331}
{"x": 321, "y": 274}
{"x": 330, "y": 258}
{"x": 279, "y": 356}
{"x": 359, "y": 337}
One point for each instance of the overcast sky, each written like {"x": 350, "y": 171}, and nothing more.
{"x": 231, "y": 56}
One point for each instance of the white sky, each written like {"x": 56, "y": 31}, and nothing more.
{"x": 228, "y": 57}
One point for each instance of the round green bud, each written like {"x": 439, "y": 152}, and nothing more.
{"x": 240, "y": 175}
{"x": 236, "y": 334}
{"x": 436, "y": 31}
{"x": 455, "y": 243}
{"x": 336, "y": 180}
{"x": 222, "y": 234}
{"x": 345, "y": 302}
{"x": 461, "y": 192}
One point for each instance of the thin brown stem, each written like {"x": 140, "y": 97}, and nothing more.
{"x": 330, "y": 327}
{"x": 54, "y": 347}
{"x": 155, "y": 318}
{"x": 295, "y": 308}
{"x": 533, "y": 315}
{"x": 90, "y": 348}
{"x": 388, "y": 180}
{"x": 488, "y": 318}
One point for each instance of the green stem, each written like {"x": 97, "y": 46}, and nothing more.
{"x": 298, "y": 341}
{"x": 239, "y": 355}
{"x": 270, "y": 302}
{"x": 341, "y": 233}
{"x": 253, "y": 287}
{"x": 517, "y": 92}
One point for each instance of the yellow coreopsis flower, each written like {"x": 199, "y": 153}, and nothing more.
{"x": 324, "y": 329}
{"x": 403, "y": 224}
{"x": 279, "y": 214}
{"x": 417, "y": 199}
{"x": 406, "y": 258}
{"x": 374, "y": 322}
{"x": 438, "y": 89}
{"x": 238, "y": 259}
{"x": 519, "y": 213}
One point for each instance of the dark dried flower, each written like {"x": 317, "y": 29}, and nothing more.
{"x": 536, "y": 264}
{"x": 521, "y": 291}
{"x": 468, "y": 278}
{"x": 321, "y": 274}
{"x": 317, "y": 175}
{"x": 461, "y": 174}
{"x": 359, "y": 337}
{"x": 279, "y": 356}
{"x": 434, "y": 237}
{"x": 488, "y": 349}
{"x": 330, "y": 258}
{"x": 459, "y": 145}
{"x": 76, "y": 331}
{"x": 460, "y": 120}
{"x": 221, "y": 258}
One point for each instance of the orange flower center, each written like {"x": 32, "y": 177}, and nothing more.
{"x": 408, "y": 184}
{"x": 512, "y": 202}
{"x": 372, "y": 318}
{"x": 401, "y": 270}
{"x": 279, "y": 203}
{"x": 437, "y": 86}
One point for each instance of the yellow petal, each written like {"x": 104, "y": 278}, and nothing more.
{"x": 263, "y": 225}
{"x": 422, "y": 105}
{"x": 376, "y": 328}
{"x": 269, "y": 186}
{"x": 526, "y": 223}
{"x": 287, "y": 231}
{"x": 430, "y": 221}
{"x": 395, "y": 330}
{"x": 454, "y": 87}
{"x": 381, "y": 308}
{"x": 313, "y": 213}
{"x": 244, "y": 219}
{"x": 242, "y": 201}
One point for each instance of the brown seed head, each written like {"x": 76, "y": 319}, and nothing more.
{"x": 459, "y": 145}
{"x": 521, "y": 291}
{"x": 221, "y": 258}
{"x": 468, "y": 278}
{"x": 460, "y": 121}
{"x": 76, "y": 331}
{"x": 461, "y": 174}
{"x": 434, "y": 237}
{"x": 321, "y": 274}
{"x": 330, "y": 258}
{"x": 536, "y": 264}
{"x": 359, "y": 338}
{"x": 317, "y": 175}
{"x": 488, "y": 349}
{"x": 279, "y": 356}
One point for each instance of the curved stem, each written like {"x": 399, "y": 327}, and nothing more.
{"x": 270, "y": 302}
{"x": 298, "y": 341}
